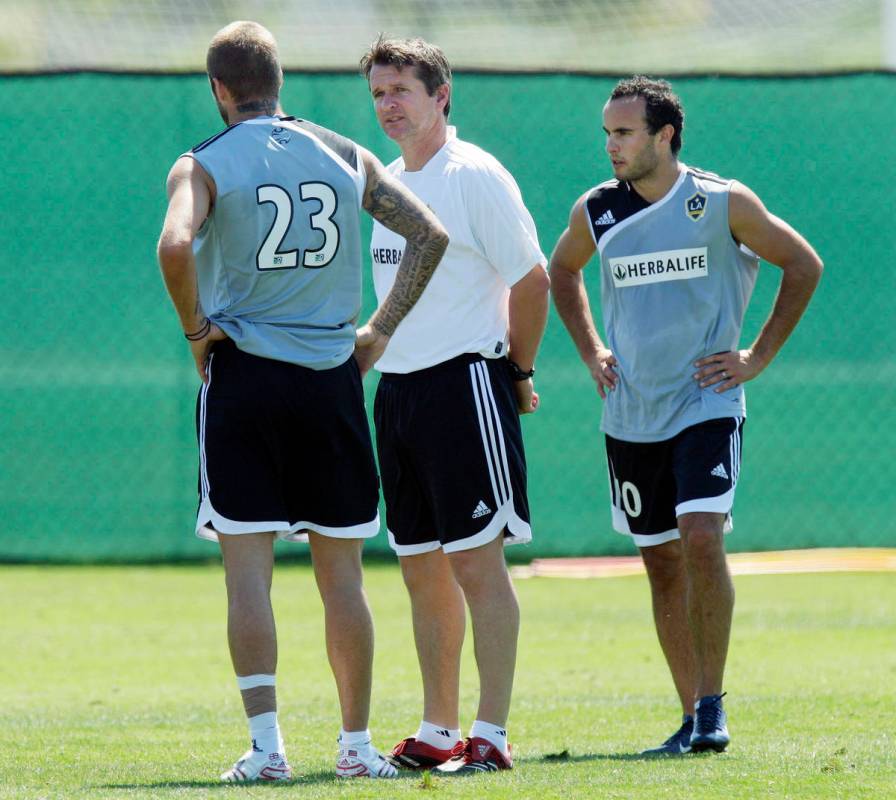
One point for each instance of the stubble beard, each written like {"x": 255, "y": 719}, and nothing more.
{"x": 221, "y": 111}
{"x": 643, "y": 166}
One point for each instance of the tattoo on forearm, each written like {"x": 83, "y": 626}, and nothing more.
{"x": 416, "y": 268}
{"x": 388, "y": 202}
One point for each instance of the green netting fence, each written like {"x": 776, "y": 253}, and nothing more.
{"x": 97, "y": 448}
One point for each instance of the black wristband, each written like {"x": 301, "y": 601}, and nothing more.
{"x": 201, "y": 333}
{"x": 518, "y": 373}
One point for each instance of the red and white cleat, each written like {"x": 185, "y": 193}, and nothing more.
{"x": 479, "y": 755}
{"x": 411, "y": 753}
{"x": 258, "y": 766}
{"x": 363, "y": 762}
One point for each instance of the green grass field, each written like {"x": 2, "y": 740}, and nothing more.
{"x": 116, "y": 684}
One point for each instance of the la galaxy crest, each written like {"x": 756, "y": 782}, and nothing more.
{"x": 695, "y": 205}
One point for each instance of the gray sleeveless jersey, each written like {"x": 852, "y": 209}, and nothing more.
{"x": 674, "y": 288}
{"x": 279, "y": 258}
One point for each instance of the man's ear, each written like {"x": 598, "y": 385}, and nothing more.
{"x": 220, "y": 91}
{"x": 443, "y": 92}
{"x": 666, "y": 133}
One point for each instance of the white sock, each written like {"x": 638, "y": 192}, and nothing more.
{"x": 265, "y": 733}
{"x": 492, "y": 733}
{"x": 354, "y": 739}
{"x": 437, "y": 736}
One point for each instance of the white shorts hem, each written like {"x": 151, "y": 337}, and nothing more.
{"x": 297, "y": 532}
{"x": 520, "y": 532}
{"x": 708, "y": 505}
{"x": 652, "y": 539}
{"x": 412, "y": 549}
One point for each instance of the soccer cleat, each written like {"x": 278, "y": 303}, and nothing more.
{"x": 479, "y": 755}
{"x": 677, "y": 744}
{"x": 710, "y": 725}
{"x": 413, "y": 754}
{"x": 256, "y": 765}
{"x": 363, "y": 762}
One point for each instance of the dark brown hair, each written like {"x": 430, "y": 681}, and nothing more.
{"x": 429, "y": 62}
{"x": 662, "y": 105}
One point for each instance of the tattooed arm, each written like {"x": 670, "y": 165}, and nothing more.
{"x": 390, "y": 203}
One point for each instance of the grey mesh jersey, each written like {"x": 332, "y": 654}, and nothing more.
{"x": 279, "y": 258}
{"x": 674, "y": 287}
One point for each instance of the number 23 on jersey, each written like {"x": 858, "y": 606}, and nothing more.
{"x": 269, "y": 256}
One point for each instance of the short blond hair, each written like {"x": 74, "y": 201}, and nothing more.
{"x": 243, "y": 56}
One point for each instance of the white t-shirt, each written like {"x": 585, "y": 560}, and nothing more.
{"x": 464, "y": 308}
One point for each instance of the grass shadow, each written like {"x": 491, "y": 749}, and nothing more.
{"x": 308, "y": 778}
{"x": 566, "y": 758}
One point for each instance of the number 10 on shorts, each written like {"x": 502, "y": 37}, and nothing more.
{"x": 629, "y": 496}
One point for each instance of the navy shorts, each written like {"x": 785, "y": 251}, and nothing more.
{"x": 451, "y": 456}
{"x": 654, "y": 483}
{"x": 284, "y": 448}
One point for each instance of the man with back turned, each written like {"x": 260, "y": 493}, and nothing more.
{"x": 261, "y": 254}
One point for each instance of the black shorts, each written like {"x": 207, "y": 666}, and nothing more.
{"x": 451, "y": 456}
{"x": 283, "y": 448}
{"x": 654, "y": 483}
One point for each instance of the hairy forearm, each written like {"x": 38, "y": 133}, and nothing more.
{"x": 571, "y": 302}
{"x": 179, "y": 274}
{"x": 797, "y": 286}
{"x": 528, "y": 312}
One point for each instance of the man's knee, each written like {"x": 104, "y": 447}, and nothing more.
{"x": 703, "y": 540}
{"x": 425, "y": 573}
{"x": 664, "y": 564}
{"x": 702, "y": 530}
{"x": 337, "y": 564}
{"x": 480, "y": 567}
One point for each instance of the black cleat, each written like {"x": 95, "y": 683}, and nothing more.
{"x": 710, "y": 725}
{"x": 677, "y": 744}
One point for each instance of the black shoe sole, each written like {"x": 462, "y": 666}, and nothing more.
{"x": 421, "y": 766}
{"x": 703, "y": 747}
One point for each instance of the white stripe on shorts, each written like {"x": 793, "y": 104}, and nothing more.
{"x": 738, "y": 435}
{"x": 203, "y": 403}
{"x": 504, "y": 467}
{"x": 492, "y": 439}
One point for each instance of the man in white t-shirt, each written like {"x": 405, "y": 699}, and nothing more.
{"x": 456, "y": 375}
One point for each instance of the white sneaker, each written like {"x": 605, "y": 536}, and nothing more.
{"x": 256, "y": 765}
{"x": 363, "y": 762}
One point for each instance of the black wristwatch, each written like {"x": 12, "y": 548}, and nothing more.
{"x": 518, "y": 373}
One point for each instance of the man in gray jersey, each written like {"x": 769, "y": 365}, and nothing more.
{"x": 260, "y": 252}
{"x": 679, "y": 251}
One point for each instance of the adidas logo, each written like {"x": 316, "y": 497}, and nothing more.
{"x": 606, "y": 218}
{"x": 719, "y": 471}
{"x": 443, "y": 732}
{"x": 483, "y": 749}
{"x": 481, "y": 510}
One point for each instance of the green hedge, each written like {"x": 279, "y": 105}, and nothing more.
{"x": 98, "y": 458}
